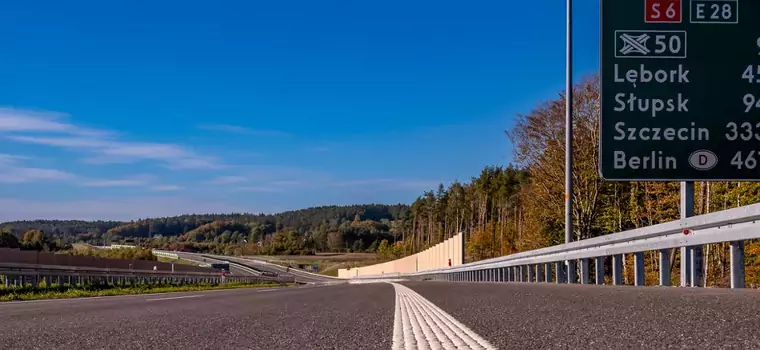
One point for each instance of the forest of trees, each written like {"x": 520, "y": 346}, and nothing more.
{"x": 505, "y": 209}
{"x": 356, "y": 228}
{"x": 508, "y": 210}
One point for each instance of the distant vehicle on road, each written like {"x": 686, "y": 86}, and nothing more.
{"x": 268, "y": 274}
{"x": 221, "y": 266}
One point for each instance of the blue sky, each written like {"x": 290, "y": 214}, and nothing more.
{"x": 130, "y": 109}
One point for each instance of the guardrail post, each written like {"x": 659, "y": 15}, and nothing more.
{"x": 539, "y": 269}
{"x": 548, "y": 272}
{"x": 737, "y": 264}
{"x": 559, "y": 266}
{"x": 696, "y": 266}
{"x": 530, "y": 272}
{"x": 664, "y": 267}
{"x": 638, "y": 270}
{"x": 572, "y": 272}
{"x": 617, "y": 269}
{"x": 584, "y": 271}
{"x": 599, "y": 270}
{"x": 521, "y": 273}
{"x": 685, "y": 266}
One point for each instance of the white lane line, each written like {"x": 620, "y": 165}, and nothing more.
{"x": 69, "y": 300}
{"x": 173, "y": 298}
{"x": 419, "y": 324}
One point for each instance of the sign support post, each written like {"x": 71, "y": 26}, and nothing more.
{"x": 687, "y": 210}
{"x": 570, "y": 264}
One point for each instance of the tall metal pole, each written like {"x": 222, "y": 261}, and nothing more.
{"x": 687, "y": 210}
{"x": 569, "y": 138}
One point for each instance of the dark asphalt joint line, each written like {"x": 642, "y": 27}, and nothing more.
{"x": 175, "y": 298}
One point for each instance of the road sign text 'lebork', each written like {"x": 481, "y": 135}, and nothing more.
{"x": 680, "y": 90}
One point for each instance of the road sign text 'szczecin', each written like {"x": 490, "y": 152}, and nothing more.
{"x": 680, "y": 90}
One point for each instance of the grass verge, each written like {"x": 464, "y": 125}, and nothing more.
{"x": 78, "y": 291}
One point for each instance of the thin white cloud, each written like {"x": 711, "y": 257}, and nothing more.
{"x": 222, "y": 180}
{"x": 113, "y": 183}
{"x": 140, "y": 180}
{"x": 259, "y": 189}
{"x": 11, "y": 158}
{"x": 15, "y": 172}
{"x": 109, "y": 208}
{"x": 18, "y": 175}
{"x": 237, "y": 129}
{"x": 12, "y": 171}
{"x": 17, "y": 120}
{"x": 100, "y": 144}
{"x": 287, "y": 183}
{"x": 167, "y": 188}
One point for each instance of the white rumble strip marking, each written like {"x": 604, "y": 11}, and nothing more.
{"x": 419, "y": 324}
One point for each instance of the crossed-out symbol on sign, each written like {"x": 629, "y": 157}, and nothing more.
{"x": 634, "y": 43}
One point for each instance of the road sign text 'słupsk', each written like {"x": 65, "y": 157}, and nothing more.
{"x": 680, "y": 90}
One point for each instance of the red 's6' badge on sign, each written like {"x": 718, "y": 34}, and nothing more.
{"x": 662, "y": 11}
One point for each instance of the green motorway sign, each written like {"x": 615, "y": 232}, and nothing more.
{"x": 680, "y": 90}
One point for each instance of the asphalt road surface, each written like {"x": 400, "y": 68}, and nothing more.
{"x": 405, "y": 315}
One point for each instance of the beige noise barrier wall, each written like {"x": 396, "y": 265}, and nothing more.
{"x": 435, "y": 257}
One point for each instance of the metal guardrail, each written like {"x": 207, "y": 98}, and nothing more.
{"x": 13, "y": 274}
{"x": 733, "y": 225}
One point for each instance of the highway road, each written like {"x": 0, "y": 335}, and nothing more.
{"x": 300, "y": 276}
{"x": 413, "y": 314}
{"x": 234, "y": 269}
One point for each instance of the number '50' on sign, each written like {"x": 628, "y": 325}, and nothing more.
{"x": 662, "y": 11}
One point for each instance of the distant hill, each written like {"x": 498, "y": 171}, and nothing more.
{"x": 220, "y": 230}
